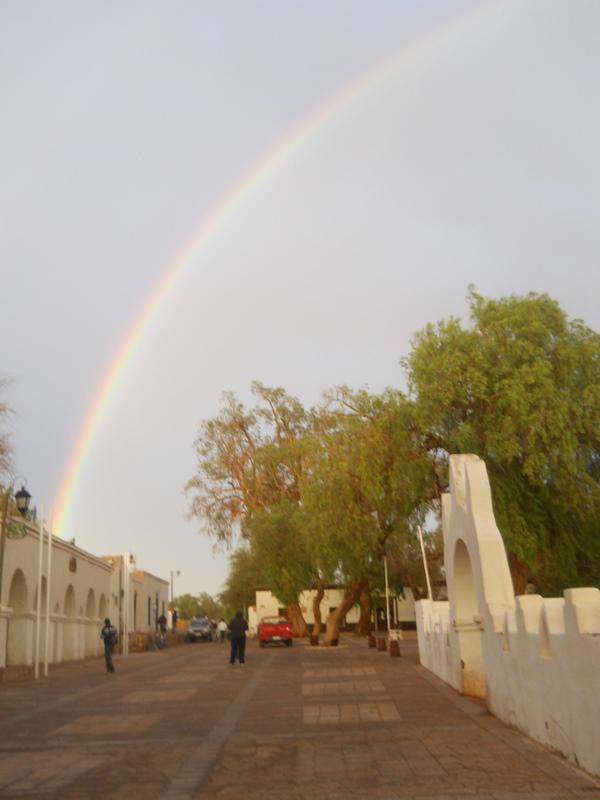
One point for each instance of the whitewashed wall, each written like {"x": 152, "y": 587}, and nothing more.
{"x": 79, "y": 588}
{"x": 84, "y": 589}
{"x": 535, "y": 660}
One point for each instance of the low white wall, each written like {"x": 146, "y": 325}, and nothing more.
{"x": 535, "y": 660}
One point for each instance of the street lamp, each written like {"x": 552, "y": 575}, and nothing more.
{"x": 174, "y": 572}
{"x": 22, "y": 498}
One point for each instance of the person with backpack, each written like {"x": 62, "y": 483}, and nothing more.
{"x": 110, "y": 637}
{"x": 238, "y": 627}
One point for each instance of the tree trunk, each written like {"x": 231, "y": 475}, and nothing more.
{"x": 317, "y": 611}
{"x": 364, "y": 623}
{"x": 297, "y": 621}
{"x": 520, "y": 575}
{"x": 334, "y": 620}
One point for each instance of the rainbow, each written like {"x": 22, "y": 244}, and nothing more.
{"x": 72, "y": 475}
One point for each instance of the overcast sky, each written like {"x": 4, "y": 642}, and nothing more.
{"x": 468, "y": 152}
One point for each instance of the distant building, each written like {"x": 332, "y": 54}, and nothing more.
{"x": 402, "y": 608}
{"x": 137, "y": 598}
{"x": 84, "y": 589}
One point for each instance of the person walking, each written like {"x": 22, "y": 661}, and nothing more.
{"x": 222, "y": 628}
{"x": 110, "y": 638}
{"x": 238, "y": 627}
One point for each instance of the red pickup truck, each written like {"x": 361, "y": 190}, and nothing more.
{"x": 274, "y": 629}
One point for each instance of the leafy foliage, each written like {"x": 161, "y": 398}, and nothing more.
{"x": 370, "y": 480}
{"x": 520, "y": 387}
{"x": 187, "y": 605}
{"x": 244, "y": 578}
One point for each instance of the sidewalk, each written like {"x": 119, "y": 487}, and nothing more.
{"x": 304, "y": 723}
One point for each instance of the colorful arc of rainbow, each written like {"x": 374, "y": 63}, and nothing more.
{"x": 106, "y": 388}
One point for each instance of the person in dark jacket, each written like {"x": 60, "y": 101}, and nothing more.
{"x": 110, "y": 637}
{"x": 238, "y": 627}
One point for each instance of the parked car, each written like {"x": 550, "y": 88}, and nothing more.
{"x": 274, "y": 629}
{"x": 199, "y": 630}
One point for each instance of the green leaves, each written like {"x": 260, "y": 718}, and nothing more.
{"x": 321, "y": 494}
{"x": 521, "y": 388}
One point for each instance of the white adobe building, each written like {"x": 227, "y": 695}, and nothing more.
{"x": 137, "y": 598}
{"x": 402, "y": 608}
{"x": 84, "y": 589}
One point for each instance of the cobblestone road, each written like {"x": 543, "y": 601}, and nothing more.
{"x": 301, "y": 723}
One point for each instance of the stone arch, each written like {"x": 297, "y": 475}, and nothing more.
{"x": 17, "y": 594}
{"x": 468, "y": 624}
{"x": 69, "y": 604}
{"x": 90, "y": 605}
{"x": 20, "y": 624}
{"x": 44, "y": 593}
{"x": 102, "y": 608}
{"x": 69, "y": 625}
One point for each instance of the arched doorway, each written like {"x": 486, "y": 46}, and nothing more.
{"x": 468, "y": 624}
{"x": 69, "y": 625}
{"x": 91, "y": 626}
{"x": 19, "y": 644}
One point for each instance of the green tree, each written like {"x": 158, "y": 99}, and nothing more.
{"x": 249, "y": 463}
{"x": 245, "y": 576}
{"x": 187, "y": 605}
{"x": 520, "y": 387}
{"x": 370, "y": 482}
{"x": 209, "y": 607}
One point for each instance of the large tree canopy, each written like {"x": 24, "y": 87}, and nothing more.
{"x": 320, "y": 495}
{"x": 369, "y": 483}
{"x": 249, "y": 479}
{"x": 520, "y": 387}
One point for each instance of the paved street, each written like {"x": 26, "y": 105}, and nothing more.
{"x": 301, "y": 723}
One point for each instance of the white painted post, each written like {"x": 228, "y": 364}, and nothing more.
{"x": 429, "y": 592}
{"x": 38, "y": 610}
{"x": 125, "y": 604}
{"x": 48, "y": 574}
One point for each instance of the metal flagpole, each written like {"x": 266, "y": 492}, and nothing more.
{"x": 48, "y": 574}
{"x": 38, "y": 614}
{"x": 429, "y": 592}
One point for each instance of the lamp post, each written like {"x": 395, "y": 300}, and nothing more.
{"x": 174, "y": 572}
{"x": 22, "y": 498}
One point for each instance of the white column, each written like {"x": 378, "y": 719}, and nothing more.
{"x": 48, "y": 575}
{"x": 429, "y": 593}
{"x": 38, "y": 610}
